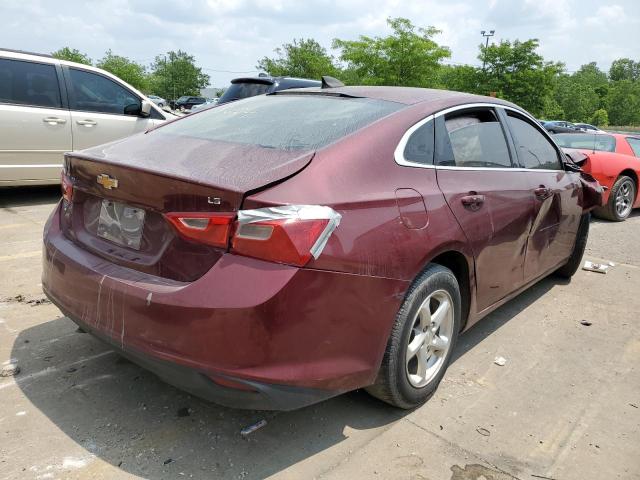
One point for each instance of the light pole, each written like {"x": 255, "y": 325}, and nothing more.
{"x": 487, "y": 36}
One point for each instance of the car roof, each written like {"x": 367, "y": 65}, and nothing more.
{"x": 405, "y": 95}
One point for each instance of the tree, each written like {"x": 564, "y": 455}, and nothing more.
{"x": 460, "y": 78}
{"x": 516, "y": 72}
{"x": 600, "y": 118}
{"x": 129, "y": 71}
{"x": 72, "y": 55}
{"x": 623, "y": 103}
{"x": 624, "y": 69}
{"x": 304, "y": 58}
{"x": 407, "y": 57}
{"x": 176, "y": 74}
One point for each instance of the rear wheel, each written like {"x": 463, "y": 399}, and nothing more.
{"x": 571, "y": 267}
{"x": 422, "y": 340}
{"x": 621, "y": 199}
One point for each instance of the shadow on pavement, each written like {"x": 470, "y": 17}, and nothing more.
{"x": 130, "y": 419}
{"x": 25, "y": 196}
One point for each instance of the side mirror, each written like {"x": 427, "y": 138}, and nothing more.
{"x": 145, "y": 109}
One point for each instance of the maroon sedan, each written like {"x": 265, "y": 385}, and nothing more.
{"x": 277, "y": 251}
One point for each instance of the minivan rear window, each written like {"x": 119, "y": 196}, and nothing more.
{"x": 586, "y": 141}
{"x": 285, "y": 122}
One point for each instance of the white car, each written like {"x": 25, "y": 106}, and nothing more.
{"x": 159, "y": 101}
{"x": 50, "y": 106}
{"x": 209, "y": 103}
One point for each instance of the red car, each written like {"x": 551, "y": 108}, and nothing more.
{"x": 613, "y": 161}
{"x": 279, "y": 250}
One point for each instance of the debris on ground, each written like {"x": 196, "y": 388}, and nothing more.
{"x": 500, "y": 361}
{"x": 586, "y": 323}
{"x": 10, "y": 370}
{"x": 38, "y": 301}
{"x": 595, "y": 267}
{"x": 183, "y": 412}
{"x": 168, "y": 461}
{"x": 543, "y": 477}
{"x": 633, "y": 405}
{"x": 483, "y": 431}
{"x": 252, "y": 428}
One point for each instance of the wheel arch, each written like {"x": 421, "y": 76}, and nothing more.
{"x": 457, "y": 262}
{"x": 628, "y": 172}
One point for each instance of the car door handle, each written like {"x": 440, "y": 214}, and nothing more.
{"x": 542, "y": 192}
{"x": 87, "y": 123}
{"x": 53, "y": 120}
{"x": 473, "y": 201}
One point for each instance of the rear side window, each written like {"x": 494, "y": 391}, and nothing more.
{"x": 420, "y": 147}
{"x": 586, "y": 141}
{"x": 284, "y": 122}
{"x": 29, "y": 83}
{"x": 634, "y": 143}
{"x": 534, "y": 150}
{"x": 238, "y": 91}
{"x": 91, "y": 92}
{"x": 477, "y": 140}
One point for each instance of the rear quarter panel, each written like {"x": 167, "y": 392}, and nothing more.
{"x": 606, "y": 167}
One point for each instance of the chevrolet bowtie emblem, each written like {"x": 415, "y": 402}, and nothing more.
{"x": 107, "y": 182}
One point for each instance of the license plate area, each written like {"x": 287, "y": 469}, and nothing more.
{"x": 121, "y": 224}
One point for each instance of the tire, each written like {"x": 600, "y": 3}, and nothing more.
{"x": 624, "y": 191}
{"x": 160, "y": 105}
{"x": 569, "y": 269}
{"x": 401, "y": 381}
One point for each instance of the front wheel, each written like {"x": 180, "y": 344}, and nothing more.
{"x": 421, "y": 341}
{"x": 569, "y": 269}
{"x": 621, "y": 200}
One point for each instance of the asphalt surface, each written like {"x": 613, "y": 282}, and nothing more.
{"x": 564, "y": 406}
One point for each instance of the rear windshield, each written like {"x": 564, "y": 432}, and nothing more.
{"x": 587, "y": 141}
{"x": 284, "y": 122}
{"x": 238, "y": 91}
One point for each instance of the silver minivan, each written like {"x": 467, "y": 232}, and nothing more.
{"x": 50, "y": 106}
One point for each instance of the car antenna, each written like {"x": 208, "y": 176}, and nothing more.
{"x": 330, "y": 82}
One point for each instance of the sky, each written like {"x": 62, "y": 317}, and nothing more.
{"x": 228, "y": 37}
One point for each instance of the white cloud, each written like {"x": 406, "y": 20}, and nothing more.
{"x": 232, "y": 35}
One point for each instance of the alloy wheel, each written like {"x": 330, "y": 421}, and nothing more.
{"x": 430, "y": 338}
{"x": 624, "y": 199}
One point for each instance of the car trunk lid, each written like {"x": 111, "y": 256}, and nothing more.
{"x": 123, "y": 191}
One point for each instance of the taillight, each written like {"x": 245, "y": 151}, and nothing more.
{"x": 66, "y": 185}
{"x": 210, "y": 228}
{"x": 290, "y": 234}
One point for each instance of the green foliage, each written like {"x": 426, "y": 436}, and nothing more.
{"x": 460, "y": 78}
{"x": 72, "y": 55}
{"x": 407, "y": 57}
{"x": 176, "y": 74}
{"x": 600, "y": 118}
{"x": 129, "y": 71}
{"x": 623, "y": 103}
{"x": 304, "y": 58}
{"x": 516, "y": 72}
{"x": 624, "y": 69}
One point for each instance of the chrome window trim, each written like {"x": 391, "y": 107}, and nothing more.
{"x": 398, "y": 154}
{"x": 399, "y": 151}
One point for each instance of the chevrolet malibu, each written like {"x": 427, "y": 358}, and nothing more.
{"x": 283, "y": 249}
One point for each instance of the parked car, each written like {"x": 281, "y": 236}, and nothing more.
{"x": 613, "y": 161}
{"x": 187, "y": 103}
{"x": 586, "y": 127}
{"x": 50, "y": 106}
{"x": 560, "y": 126}
{"x": 250, "y": 86}
{"x": 342, "y": 238}
{"x": 210, "y": 102}
{"x": 159, "y": 101}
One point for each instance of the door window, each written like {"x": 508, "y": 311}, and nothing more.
{"x": 29, "y": 83}
{"x": 534, "y": 149}
{"x": 634, "y": 143}
{"x": 91, "y": 92}
{"x": 477, "y": 140}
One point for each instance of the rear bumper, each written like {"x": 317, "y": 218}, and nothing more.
{"x": 287, "y": 337}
